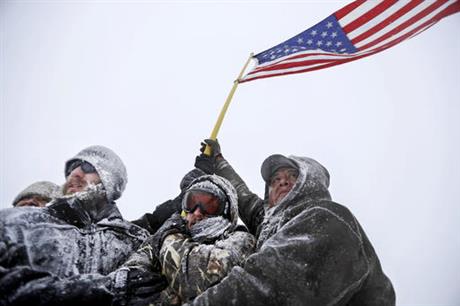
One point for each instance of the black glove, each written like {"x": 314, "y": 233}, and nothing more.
{"x": 12, "y": 279}
{"x": 39, "y": 288}
{"x": 141, "y": 283}
{"x": 215, "y": 147}
{"x": 205, "y": 162}
{"x": 143, "y": 287}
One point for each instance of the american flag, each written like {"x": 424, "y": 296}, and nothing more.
{"x": 360, "y": 29}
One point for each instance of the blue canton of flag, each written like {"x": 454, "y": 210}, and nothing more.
{"x": 326, "y": 35}
{"x": 359, "y": 29}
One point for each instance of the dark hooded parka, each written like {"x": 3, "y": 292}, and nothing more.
{"x": 310, "y": 250}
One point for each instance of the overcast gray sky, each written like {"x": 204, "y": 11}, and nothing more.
{"x": 148, "y": 78}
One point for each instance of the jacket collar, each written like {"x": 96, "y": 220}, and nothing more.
{"x": 311, "y": 185}
{"x": 81, "y": 214}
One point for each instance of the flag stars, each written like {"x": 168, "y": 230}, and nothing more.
{"x": 326, "y": 36}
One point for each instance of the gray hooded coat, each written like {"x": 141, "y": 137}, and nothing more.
{"x": 70, "y": 248}
{"x": 63, "y": 253}
{"x": 310, "y": 250}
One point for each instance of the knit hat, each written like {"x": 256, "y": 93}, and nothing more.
{"x": 220, "y": 188}
{"x": 109, "y": 167}
{"x": 44, "y": 189}
{"x": 274, "y": 162}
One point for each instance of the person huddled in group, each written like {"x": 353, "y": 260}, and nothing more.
{"x": 310, "y": 250}
{"x": 196, "y": 250}
{"x": 62, "y": 254}
{"x": 37, "y": 194}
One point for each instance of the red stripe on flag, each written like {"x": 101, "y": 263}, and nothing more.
{"x": 369, "y": 15}
{"x": 335, "y": 63}
{"x": 338, "y": 62}
{"x": 455, "y": 8}
{"x": 409, "y": 6}
{"x": 347, "y": 9}
{"x": 405, "y": 24}
{"x": 306, "y": 62}
{"x": 451, "y": 9}
{"x": 297, "y": 57}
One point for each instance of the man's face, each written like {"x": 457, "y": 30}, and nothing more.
{"x": 201, "y": 205}
{"x": 280, "y": 184}
{"x": 80, "y": 178}
{"x": 33, "y": 201}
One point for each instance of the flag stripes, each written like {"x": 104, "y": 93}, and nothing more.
{"x": 368, "y": 26}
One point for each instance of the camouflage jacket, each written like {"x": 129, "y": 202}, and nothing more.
{"x": 191, "y": 267}
{"x": 195, "y": 259}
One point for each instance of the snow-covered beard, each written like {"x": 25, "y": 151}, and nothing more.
{"x": 209, "y": 229}
{"x": 92, "y": 199}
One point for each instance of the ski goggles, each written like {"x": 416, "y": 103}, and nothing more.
{"x": 85, "y": 167}
{"x": 207, "y": 203}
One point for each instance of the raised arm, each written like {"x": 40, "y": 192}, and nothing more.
{"x": 250, "y": 206}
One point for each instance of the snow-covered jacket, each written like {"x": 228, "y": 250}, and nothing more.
{"x": 62, "y": 239}
{"x": 191, "y": 265}
{"x": 66, "y": 240}
{"x": 310, "y": 250}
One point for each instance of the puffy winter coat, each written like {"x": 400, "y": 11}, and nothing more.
{"x": 192, "y": 267}
{"x": 64, "y": 242}
{"x": 310, "y": 250}
{"x": 62, "y": 239}
{"x": 190, "y": 264}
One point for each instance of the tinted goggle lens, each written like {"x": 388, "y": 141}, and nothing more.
{"x": 85, "y": 167}
{"x": 207, "y": 203}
